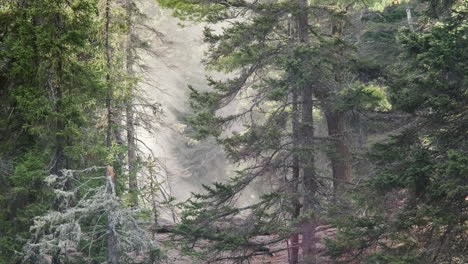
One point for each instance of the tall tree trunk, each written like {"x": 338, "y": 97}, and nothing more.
{"x": 340, "y": 156}
{"x": 131, "y": 152}
{"x": 307, "y": 129}
{"x": 294, "y": 252}
{"x": 112, "y": 249}
{"x": 59, "y": 146}
{"x": 55, "y": 83}
{"x": 108, "y": 81}
{"x": 309, "y": 177}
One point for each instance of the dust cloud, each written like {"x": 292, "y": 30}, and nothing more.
{"x": 174, "y": 63}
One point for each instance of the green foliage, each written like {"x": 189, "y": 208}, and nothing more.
{"x": 270, "y": 69}
{"x": 390, "y": 14}
{"x": 23, "y": 198}
{"x": 211, "y": 217}
{"x": 363, "y": 97}
{"x": 196, "y": 10}
{"x": 51, "y": 91}
{"x": 418, "y": 192}
{"x": 53, "y": 67}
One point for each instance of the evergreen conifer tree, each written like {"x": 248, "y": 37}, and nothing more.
{"x": 51, "y": 85}
{"x": 413, "y": 208}
{"x": 285, "y": 66}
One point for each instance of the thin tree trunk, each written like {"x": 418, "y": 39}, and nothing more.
{"x": 109, "y": 88}
{"x": 294, "y": 252}
{"x": 55, "y": 83}
{"x": 132, "y": 157}
{"x": 153, "y": 186}
{"x": 112, "y": 249}
{"x": 310, "y": 184}
{"x": 131, "y": 152}
{"x": 59, "y": 138}
{"x": 59, "y": 156}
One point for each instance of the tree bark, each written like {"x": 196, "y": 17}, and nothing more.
{"x": 58, "y": 156}
{"x": 310, "y": 184}
{"x": 109, "y": 87}
{"x": 340, "y": 157}
{"x": 112, "y": 250}
{"x": 294, "y": 256}
{"x": 307, "y": 129}
{"x": 55, "y": 81}
{"x": 132, "y": 156}
{"x": 59, "y": 138}
{"x": 131, "y": 152}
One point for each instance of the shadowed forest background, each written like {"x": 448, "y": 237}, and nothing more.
{"x": 233, "y": 131}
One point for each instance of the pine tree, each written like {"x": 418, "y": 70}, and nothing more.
{"x": 265, "y": 67}
{"x": 51, "y": 77}
{"x": 286, "y": 65}
{"x": 61, "y": 95}
{"x": 413, "y": 209}
{"x": 130, "y": 61}
{"x": 279, "y": 68}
